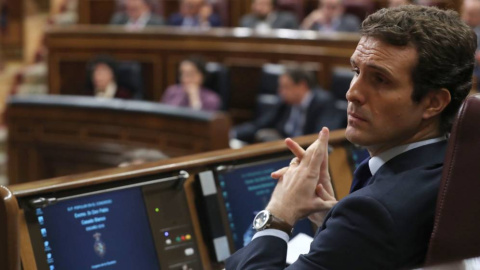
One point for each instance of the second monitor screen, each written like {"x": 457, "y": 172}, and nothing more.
{"x": 246, "y": 190}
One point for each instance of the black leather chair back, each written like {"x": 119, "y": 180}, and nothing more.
{"x": 456, "y": 231}
{"x": 341, "y": 79}
{"x": 130, "y": 77}
{"x": 269, "y": 78}
{"x": 218, "y": 80}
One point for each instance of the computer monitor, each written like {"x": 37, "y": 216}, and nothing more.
{"x": 241, "y": 191}
{"x": 246, "y": 190}
{"x": 139, "y": 226}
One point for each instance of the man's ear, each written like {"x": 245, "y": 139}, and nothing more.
{"x": 435, "y": 102}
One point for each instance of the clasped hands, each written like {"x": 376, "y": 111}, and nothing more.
{"x": 304, "y": 187}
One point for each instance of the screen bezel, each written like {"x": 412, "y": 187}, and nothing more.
{"x": 238, "y": 165}
{"x": 33, "y": 227}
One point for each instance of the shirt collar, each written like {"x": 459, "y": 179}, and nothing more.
{"x": 141, "y": 21}
{"x": 377, "y": 161}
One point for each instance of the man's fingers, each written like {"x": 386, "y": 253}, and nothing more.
{"x": 323, "y": 194}
{"x": 324, "y": 201}
{"x": 279, "y": 173}
{"x": 296, "y": 149}
{"x": 314, "y": 158}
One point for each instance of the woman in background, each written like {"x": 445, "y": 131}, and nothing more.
{"x": 102, "y": 79}
{"x": 190, "y": 92}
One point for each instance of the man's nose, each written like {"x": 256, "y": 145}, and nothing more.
{"x": 355, "y": 93}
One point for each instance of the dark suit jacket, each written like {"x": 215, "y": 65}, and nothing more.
{"x": 346, "y": 23}
{"x": 282, "y": 20}
{"x": 121, "y": 18}
{"x": 321, "y": 112}
{"x": 177, "y": 20}
{"x": 385, "y": 225}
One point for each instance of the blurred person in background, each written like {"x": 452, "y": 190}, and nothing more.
{"x": 330, "y": 17}
{"x": 195, "y": 13}
{"x": 140, "y": 156}
{"x": 191, "y": 92}
{"x": 304, "y": 109}
{"x": 137, "y": 15}
{"x": 265, "y": 16}
{"x": 102, "y": 79}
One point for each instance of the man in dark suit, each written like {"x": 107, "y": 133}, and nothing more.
{"x": 137, "y": 15}
{"x": 265, "y": 16}
{"x": 302, "y": 110}
{"x": 413, "y": 69}
{"x": 330, "y": 17}
{"x": 195, "y": 13}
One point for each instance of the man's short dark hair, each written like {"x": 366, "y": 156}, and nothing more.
{"x": 445, "y": 47}
{"x": 300, "y": 74}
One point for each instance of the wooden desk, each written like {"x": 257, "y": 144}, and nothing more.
{"x": 52, "y": 136}
{"x": 192, "y": 164}
{"x": 159, "y": 50}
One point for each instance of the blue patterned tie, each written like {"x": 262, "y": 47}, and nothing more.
{"x": 361, "y": 176}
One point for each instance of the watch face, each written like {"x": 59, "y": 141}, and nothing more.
{"x": 261, "y": 220}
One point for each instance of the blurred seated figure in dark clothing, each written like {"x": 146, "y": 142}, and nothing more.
{"x": 137, "y": 15}
{"x": 102, "y": 79}
{"x": 195, "y": 13}
{"x": 304, "y": 110}
{"x": 265, "y": 16}
{"x": 330, "y": 17}
{"x": 190, "y": 92}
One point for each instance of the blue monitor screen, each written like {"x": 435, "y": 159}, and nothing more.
{"x": 103, "y": 231}
{"x": 246, "y": 190}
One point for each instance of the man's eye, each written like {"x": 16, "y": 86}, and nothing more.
{"x": 380, "y": 79}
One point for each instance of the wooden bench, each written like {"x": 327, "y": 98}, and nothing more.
{"x": 52, "y": 136}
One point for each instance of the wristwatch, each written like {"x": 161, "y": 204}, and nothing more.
{"x": 265, "y": 220}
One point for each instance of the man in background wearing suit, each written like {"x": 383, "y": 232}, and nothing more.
{"x": 330, "y": 17}
{"x": 303, "y": 110}
{"x": 195, "y": 13}
{"x": 413, "y": 68}
{"x": 264, "y": 16}
{"x": 137, "y": 15}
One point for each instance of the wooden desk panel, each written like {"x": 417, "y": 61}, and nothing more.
{"x": 159, "y": 50}
{"x": 48, "y": 140}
